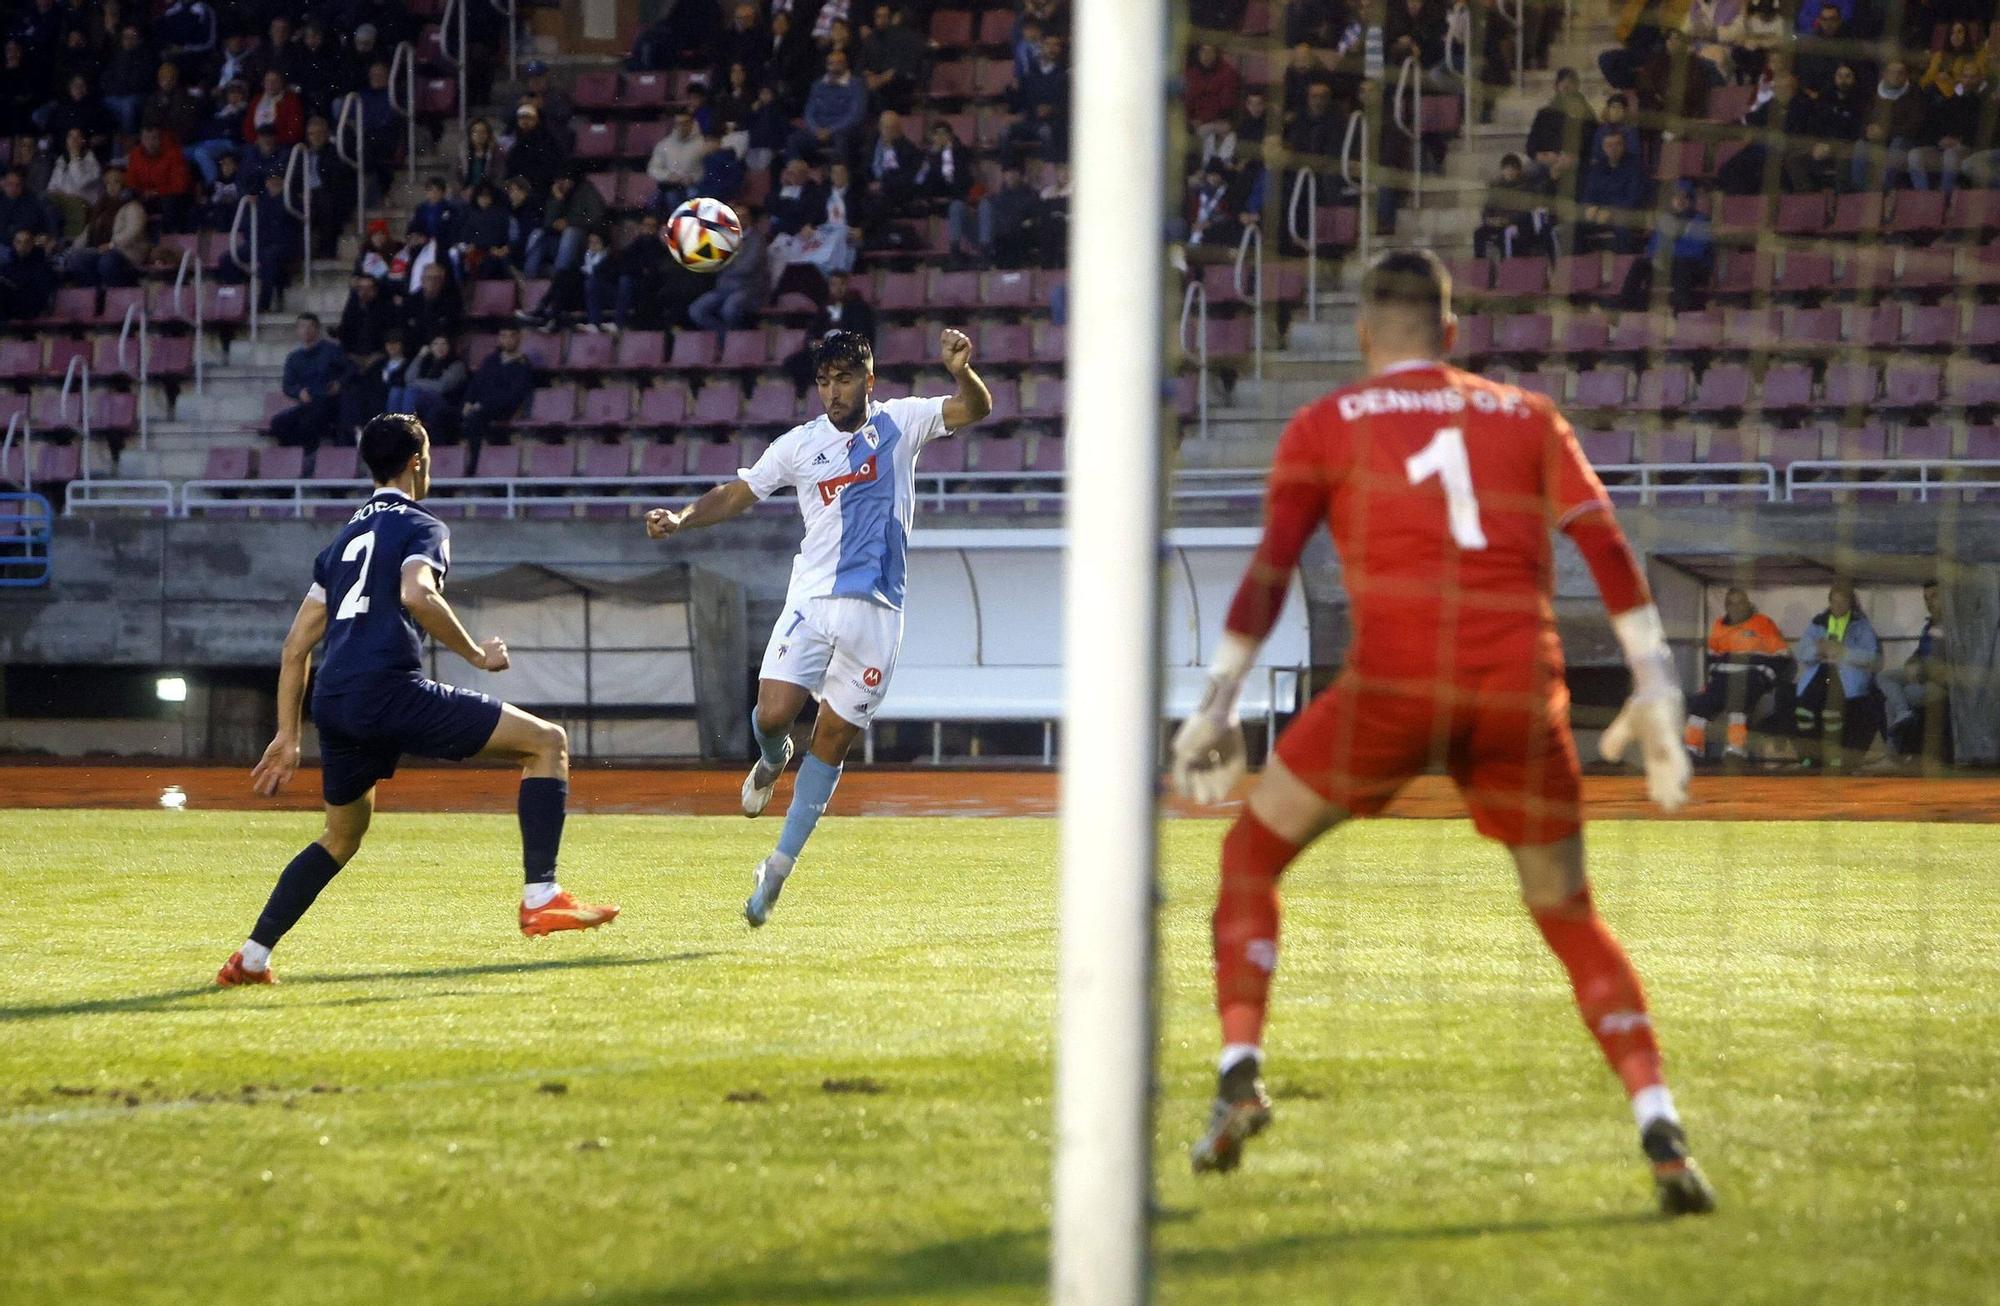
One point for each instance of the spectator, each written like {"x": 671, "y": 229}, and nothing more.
{"x": 1561, "y": 132}
{"x": 437, "y": 308}
{"x": 556, "y": 108}
{"x": 572, "y": 291}
{"x": 722, "y": 173}
{"x": 171, "y": 107}
{"x": 1955, "y": 84}
{"x": 366, "y": 320}
{"x": 499, "y": 388}
{"x": 1218, "y": 15}
{"x": 1010, "y": 220}
{"x": 485, "y": 162}
{"x": 241, "y": 61}
{"x": 1302, "y": 72}
{"x": 114, "y": 245}
{"x": 1835, "y": 691}
{"x": 1915, "y": 696}
{"x": 1041, "y": 97}
{"x": 408, "y": 265}
{"x": 895, "y": 60}
{"x": 889, "y": 167}
{"x": 27, "y": 278}
{"x": 80, "y": 107}
{"x": 738, "y": 96}
{"x": 437, "y": 217}
{"x": 432, "y": 386}
{"x": 741, "y": 288}
{"x": 316, "y": 69}
{"x": 279, "y": 245}
{"x": 844, "y": 310}
{"x": 681, "y": 37}
{"x": 832, "y": 114}
{"x": 382, "y": 139}
{"x": 676, "y": 163}
{"x": 1243, "y": 135}
{"x": 262, "y": 159}
{"x": 1753, "y": 37}
{"x": 1825, "y": 48}
{"x": 1317, "y": 24}
{"x": 1055, "y": 196}
{"x": 217, "y": 200}
{"x": 575, "y": 209}
{"x": 1210, "y": 94}
{"x": 1513, "y": 219}
{"x": 482, "y": 246}
{"x": 76, "y": 182}
{"x": 1684, "y": 244}
{"x": 186, "y": 33}
{"x": 221, "y": 131}
{"x": 524, "y": 218}
{"x": 1416, "y": 29}
{"x": 1783, "y": 122}
{"x": 1613, "y": 197}
{"x": 1840, "y": 115}
{"x": 128, "y": 79}
{"x": 314, "y": 374}
{"x": 330, "y": 181}
{"x": 1674, "y": 82}
{"x": 22, "y": 208}
{"x": 1747, "y": 660}
{"x": 1894, "y": 119}
{"x": 535, "y": 154}
{"x": 367, "y": 391}
{"x": 639, "y": 271}
{"x": 789, "y": 67}
{"x": 158, "y": 173}
{"x": 1210, "y": 217}
{"x": 1845, "y": 10}
{"x": 746, "y": 42}
{"x": 944, "y": 183}
{"x": 22, "y": 91}
{"x": 279, "y": 109}
{"x": 1618, "y": 118}
{"x": 792, "y": 203}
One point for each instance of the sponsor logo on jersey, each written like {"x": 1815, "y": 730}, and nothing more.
{"x": 819, "y": 460}
{"x": 830, "y": 489}
{"x": 872, "y": 677}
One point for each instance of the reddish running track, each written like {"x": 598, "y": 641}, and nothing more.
{"x": 963, "y": 793}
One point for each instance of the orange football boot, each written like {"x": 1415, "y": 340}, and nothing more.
{"x": 232, "y": 973}
{"x": 563, "y": 912}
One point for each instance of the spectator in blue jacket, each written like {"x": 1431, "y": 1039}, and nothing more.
{"x": 314, "y": 374}
{"x": 1839, "y": 648}
{"x": 742, "y": 287}
{"x": 1683, "y": 243}
{"x": 499, "y": 389}
{"x": 834, "y": 109}
{"x": 1613, "y": 197}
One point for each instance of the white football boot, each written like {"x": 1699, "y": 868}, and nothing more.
{"x": 762, "y": 782}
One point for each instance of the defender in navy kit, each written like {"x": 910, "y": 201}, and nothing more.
{"x": 377, "y": 589}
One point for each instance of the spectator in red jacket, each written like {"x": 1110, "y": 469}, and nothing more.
{"x": 278, "y": 107}
{"x": 1211, "y": 91}
{"x": 158, "y": 173}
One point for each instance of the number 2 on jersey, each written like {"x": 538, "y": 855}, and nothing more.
{"x": 1444, "y": 457}
{"x": 354, "y": 602}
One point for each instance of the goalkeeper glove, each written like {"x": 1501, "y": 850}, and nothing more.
{"x": 1208, "y": 752}
{"x": 1652, "y": 717}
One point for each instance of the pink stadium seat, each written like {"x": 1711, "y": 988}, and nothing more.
{"x": 635, "y": 191}
{"x": 1801, "y": 215}
{"x": 1524, "y": 333}
{"x": 1911, "y": 385}
{"x": 1550, "y": 383}
{"x": 1753, "y": 330}
{"x": 644, "y": 90}
{"x": 746, "y": 350}
{"x": 1670, "y": 445}
{"x": 1229, "y": 337}
{"x": 1694, "y": 332}
{"x": 1577, "y": 275}
{"x": 61, "y": 351}
{"x": 1585, "y": 333}
{"x": 951, "y": 28}
{"x": 608, "y": 405}
{"x": 1879, "y": 327}
{"x": 1631, "y": 333}
{"x": 594, "y": 140}
{"x": 1471, "y": 275}
{"x": 1662, "y": 388}
{"x": 282, "y": 464}
{"x": 1865, "y": 443}
{"x": 1866, "y": 269}
{"x": 1048, "y": 457}
{"x": 902, "y": 347}
{"x": 1930, "y": 326}
{"x": 1850, "y": 385}
{"x": 1973, "y": 210}
{"x": 664, "y": 405}
{"x": 953, "y": 80}
{"x": 1984, "y": 331}
{"x": 1006, "y": 398}
{"x": 20, "y": 358}
{"x": 1000, "y": 454}
{"x": 595, "y": 91}
{"x": 588, "y": 351}
{"x": 1983, "y": 443}
{"x": 955, "y": 289}
{"x": 50, "y": 413}
{"x": 1724, "y": 387}
{"x": 448, "y": 462}
{"x": 663, "y": 460}
{"x": 602, "y": 458}
{"x": 1682, "y": 159}
{"x": 1920, "y": 442}
{"x": 59, "y": 463}
{"x": 640, "y": 138}
{"x": 640, "y": 351}
{"x": 1730, "y": 447}
{"x": 553, "y": 405}
{"x": 1786, "y": 387}
{"x": 227, "y": 306}
{"x": 713, "y": 460}
{"x": 337, "y": 462}
{"x": 1606, "y": 448}
{"x": 546, "y": 460}
{"x": 692, "y": 349}
{"x": 1783, "y": 448}
{"x": 1728, "y": 104}
{"x": 901, "y": 292}
{"x": 720, "y": 403}
{"x": 114, "y": 410}
{"x": 1602, "y": 387}
{"x": 996, "y": 26}
{"x": 227, "y": 465}
{"x": 1928, "y": 269}
{"x": 943, "y": 457}
{"x": 491, "y": 299}
{"x": 1475, "y": 335}
{"x": 74, "y": 306}
{"x": 1006, "y": 290}
{"x": 1739, "y": 214}
{"x": 1915, "y": 212}
{"x": 501, "y": 462}
{"x": 1441, "y": 115}
{"x": 1048, "y": 398}
{"x": 772, "y": 403}
{"x": 993, "y": 78}
{"x": 1520, "y": 277}
{"x": 437, "y": 97}
{"x": 1812, "y": 326}
{"x": 118, "y": 301}
{"x": 1006, "y": 345}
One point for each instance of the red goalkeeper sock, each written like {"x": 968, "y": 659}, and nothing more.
{"x": 1607, "y": 989}
{"x": 1246, "y": 926}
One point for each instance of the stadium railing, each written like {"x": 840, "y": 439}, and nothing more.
{"x": 245, "y": 205}
{"x": 17, "y": 452}
{"x": 302, "y": 208}
{"x": 1958, "y": 476}
{"x": 150, "y": 497}
{"x": 404, "y": 60}
{"x": 1194, "y": 309}
{"x": 26, "y": 533}
{"x": 135, "y": 314}
{"x": 350, "y": 111}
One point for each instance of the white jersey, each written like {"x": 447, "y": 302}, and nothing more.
{"x": 858, "y": 494}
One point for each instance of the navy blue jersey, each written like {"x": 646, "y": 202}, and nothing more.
{"x": 369, "y": 635}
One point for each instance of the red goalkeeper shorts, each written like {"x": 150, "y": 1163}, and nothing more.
{"x": 1504, "y": 740}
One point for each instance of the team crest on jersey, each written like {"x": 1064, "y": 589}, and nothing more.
{"x": 872, "y": 436}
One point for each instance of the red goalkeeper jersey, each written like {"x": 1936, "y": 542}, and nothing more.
{"x": 1441, "y": 489}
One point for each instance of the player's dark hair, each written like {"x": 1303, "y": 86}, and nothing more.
{"x": 843, "y": 347}
{"x": 1413, "y": 282}
{"x": 388, "y": 442}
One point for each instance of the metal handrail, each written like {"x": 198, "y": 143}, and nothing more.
{"x": 136, "y": 311}
{"x": 246, "y": 204}
{"x": 1519, "y": 14}
{"x": 80, "y": 496}
{"x": 405, "y": 58}
{"x": 1921, "y": 475}
{"x": 20, "y": 421}
{"x": 188, "y": 259}
{"x": 455, "y": 9}
{"x": 1357, "y": 133}
{"x": 1250, "y": 254}
{"x": 1649, "y": 487}
{"x": 296, "y": 164}
{"x": 1464, "y": 70}
{"x": 1411, "y": 126}
{"x": 79, "y": 367}
{"x": 1306, "y": 186}
{"x": 350, "y": 107}
{"x": 1194, "y": 303}
{"x": 505, "y": 8}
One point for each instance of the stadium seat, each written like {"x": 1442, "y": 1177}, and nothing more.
{"x": 1862, "y": 443}
{"x": 1006, "y": 399}
{"x": 552, "y": 405}
{"x": 1229, "y": 337}
{"x": 693, "y": 349}
{"x": 1524, "y": 333}
{"x": 1550, "y": 382}
{"x": 1683, "y": 158}
{"x": 1914, "y": 212}
{"x": 772, "y": 403}
{"x": 226, "y": 306}
{"x": 1973, "y": 211}
{"x": 1047, "y": 400}
{"x": 1662, "y": 388}
{"x": 1003, "y": 454}
{"x": 594, "y": 140}
{"x": 62, "y": 351}
{"x": 58, "y": 464}
{"x": 1753, "y": 330}
{"x": 447, "y": 462}
{"x": 501, "y": 462}
{"x": 227, "y": 465}
{"x": 1812, "y": 326}
{"x": 1783, "y": 448}
{"x": 644, "y": 90}
{"x": 635, "y": 191}
{"x": 713, "y": 460}
{"x": 746, "y": 350}
{"x": 1971, "y": 384}
{"x": 1585, "y": 333}
{"x": 1739, "y": 215}
{"x": 664, "y": 405}
{"x": 901, "y": 292}
{"x": 1048, "y": 458}
{"x": 951, "y": 29}
{"x": 114, "y": 411}
{"x": 337, "y": 462}
{"x": 902, "y": 347}
{"x": 1006, "y": 345}
{"x": 663, "y": 460}
{"x": 1931, "y": 326}
{"x": 1475, "y": 335}
{"x": 1006, "y": 290}
{"x": 1724, "y": 387}
{"x": 1801, "y": 215}
{"x": 1602, "y": 387}
{"x": 1787, "y": 387}
{"x": 719, "y": 403}
{"x": 607, "y": 405}
{"x": 1932, "y": 443}
{"x": 20, "y": 358}
{"x": 588, "y": 351}
{"x": 1928, "y": 269}
{"x": 437, "y": 97}
{"x": 73, "y": 306}
{"x": 1984, "y": 330}
{"x": 607, "y": 458}
{"x": 1850, "y": 385}
{"x": 640, "y": 138}
{"x": 953, "y": 80}
{"x": 1471, "y": 276}
{"x": 1805, "y": 274}
{"x": 1669, "y": 445}
{"x": 1866, "y": 270}
{"x": 1879, "y": 327}
{"x": 993, "y": 78}
{"x": 490, "y": 300}
{"x": 1521, "y": 278}
{"x": 1631, "y": 333}
{"x": 640, "y": 351}
{"x": 1727, "y": 446}
{"x": 1696, "y": 332}
{"x": 996, "y": 26}
{"x": 1982, "y": 443}
{"x": 1577, "y": 276}
{"x": 595, "y": 91}
{"x": 1728, "y": 103}
{"x": 1606, "y": 448}
{"x": 954, "y": 290}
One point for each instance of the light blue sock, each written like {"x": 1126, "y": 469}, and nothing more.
{"x": 772, "y": 746}
{"x": 812, "y": 790}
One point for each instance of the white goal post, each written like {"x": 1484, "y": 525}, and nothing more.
{"x": 1110, "y": 768}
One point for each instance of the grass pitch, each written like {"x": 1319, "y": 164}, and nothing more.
{"x": 853, "y": 1104}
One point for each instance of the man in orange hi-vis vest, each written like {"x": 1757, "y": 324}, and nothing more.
{"x": 1747, "y": 658}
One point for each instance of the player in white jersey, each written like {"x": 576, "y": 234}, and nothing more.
{"x": 855, "y": 473}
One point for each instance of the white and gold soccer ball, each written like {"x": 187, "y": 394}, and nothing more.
{"x": 703, "y": 234}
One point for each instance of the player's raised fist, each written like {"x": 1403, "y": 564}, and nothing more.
{"x": 955, "y": 349}
{"x": 273, "y": 770}
{"x": 494, "y": 653}
{"x": 662, "y": 522}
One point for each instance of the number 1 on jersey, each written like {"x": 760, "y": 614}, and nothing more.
{"x": 1445, "y": 458}
{"x": 354, "y": 602}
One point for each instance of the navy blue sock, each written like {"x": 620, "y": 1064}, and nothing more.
{"x": 543, "y": 799}
{"x": 304, "y": 876}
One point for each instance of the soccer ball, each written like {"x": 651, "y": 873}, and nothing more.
{"x": 703, "y": 234}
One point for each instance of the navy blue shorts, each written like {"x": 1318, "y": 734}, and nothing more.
{"x": 364, "y": 732}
